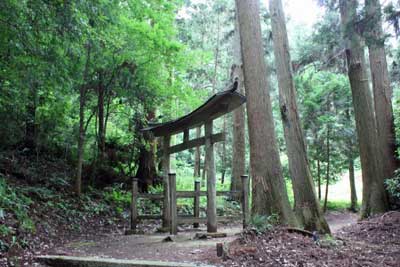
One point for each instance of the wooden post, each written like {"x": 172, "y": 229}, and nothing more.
{"x": 220, "y": 249}
{"x": 196, "y": 211}
{"x": 165, "y": 167}
{"x": 186, "y": 135}
{"x": 172, "y": 197}
{"x": 245, "y": 200}
{"x": 211, "y": 181}
{"x": 134, "y": 212}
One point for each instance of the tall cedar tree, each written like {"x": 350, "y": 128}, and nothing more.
{"x": 306, "y": 204}
{"x": 268, "y": 187}
{"x": 374, "y": 197}
{"x": 238, "y": 145}
{"x": 381, "y": 86}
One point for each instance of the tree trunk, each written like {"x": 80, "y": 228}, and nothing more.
{"x": 31, "y": 134}
{"x": 147, "y": 171}
{"x": 109, "y": 99}
{"x": 319, "y": 178}
{"x": 238, "y": 131}
{"x": 268, "y": 187}
{"x": 381, "y": 87}
{"x": 81, "y": 138}
{"x": 223, "y": 158}
{"x": 306, "y": 207}
{"x": 374, "y": 195}
{"x": 328, "y": 167}
{"x": 197, "y": 156}
{"x": 216, "y": 58}
{"x": 100, "y": 108}
{"x": 353, "y": 192}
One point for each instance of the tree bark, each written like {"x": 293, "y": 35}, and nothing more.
{"x": 238, "y": 131}
{"x": 268, "y": 187}
{"x": 223, "y": 158}
{"x": 353, "y": 192}
{"x": 319, "y": 178}
{"x": 100, "y": 113}
{"x": 374, "y": 195}
{"x": 306, "y": 207}
{"x": 328, "y": 167}
{"x": 147, "y": 171}
{"x": 381, "y": 87}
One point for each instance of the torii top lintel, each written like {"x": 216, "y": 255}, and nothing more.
{"x": 216, "y": 106}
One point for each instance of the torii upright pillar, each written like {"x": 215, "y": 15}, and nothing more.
{"x": 166, "y": 168}
{"x": 211, "y": 180}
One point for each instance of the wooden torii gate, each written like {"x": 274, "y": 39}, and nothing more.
{"x": 215, "y": 107}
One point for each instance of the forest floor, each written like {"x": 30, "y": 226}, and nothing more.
{"x": 39, "y": 216}
{"x": 373, "y": 242}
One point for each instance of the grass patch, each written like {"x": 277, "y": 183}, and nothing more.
{"x": 337, "y": 205}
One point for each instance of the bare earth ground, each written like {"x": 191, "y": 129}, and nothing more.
{"x": 369, "y": 243}
{"x": 150, "y": 246}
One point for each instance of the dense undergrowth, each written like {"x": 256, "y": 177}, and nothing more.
{"x": 38, "y": 210}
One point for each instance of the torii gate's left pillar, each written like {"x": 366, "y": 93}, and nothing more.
{"x": 165, "y": 170}
{"x": 211, "y": 180}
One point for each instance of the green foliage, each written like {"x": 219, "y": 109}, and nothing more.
{"x": 17, "y": 203}
{"x": 393, "y": 185}
{"x": 118, "y": 197}
{"x": 337, "y": 205}
{"x": 326, "y": 108}
{"x": 263, "y": 223}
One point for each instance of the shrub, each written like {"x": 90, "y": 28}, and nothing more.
{"x": 393, "y": 185}
{"x": 263, "y": 223}
{"x": 118, "y": 197}
{"x": 16, "y": 203}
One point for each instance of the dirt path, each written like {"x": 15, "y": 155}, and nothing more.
{"x": 339, "y": 219}
{"x": 183, "y": 248}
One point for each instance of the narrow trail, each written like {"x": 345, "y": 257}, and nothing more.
{"x": 339, "y": 219}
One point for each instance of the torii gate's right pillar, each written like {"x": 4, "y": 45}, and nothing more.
{"x": 211, "y": 180}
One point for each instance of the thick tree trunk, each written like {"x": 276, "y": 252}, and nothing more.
{"x": 268, "y": 187}
{"x": 223, "y": 158}
{"x": 374, "y": 195}
{"x": 147, "y": 171}
{"x": 216, "y": 58}
{"x": 238, "y": 145}
{"x": 306, "y": 207}
{"x": 381, "y": 87}
{"x": 353, "y": 192}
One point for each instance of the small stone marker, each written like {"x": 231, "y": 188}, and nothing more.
{"x": 220, "y": 249}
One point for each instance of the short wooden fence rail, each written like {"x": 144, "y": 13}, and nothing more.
{"x": 196, "y": 194}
